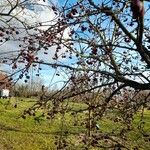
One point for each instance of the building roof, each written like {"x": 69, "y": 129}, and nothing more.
{"x": 3, "y": 78}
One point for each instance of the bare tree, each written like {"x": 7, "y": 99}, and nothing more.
{"x": 105, "y": 62}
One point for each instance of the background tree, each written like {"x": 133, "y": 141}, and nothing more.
{"x": 29, "y": 89}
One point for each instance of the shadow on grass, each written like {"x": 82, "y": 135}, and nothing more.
{"x": 8, "y": 128}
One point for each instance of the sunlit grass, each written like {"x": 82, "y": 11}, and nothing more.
{"x": 17, "y": 133}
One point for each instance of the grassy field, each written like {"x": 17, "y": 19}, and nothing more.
{"x": 17, "y": 133}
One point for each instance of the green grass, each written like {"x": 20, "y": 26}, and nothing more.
{"x": 17, "y": 133}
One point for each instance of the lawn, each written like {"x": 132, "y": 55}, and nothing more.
{"x": 17, "y": 133}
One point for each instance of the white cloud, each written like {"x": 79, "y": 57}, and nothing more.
{"x": 31, "y": 15}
